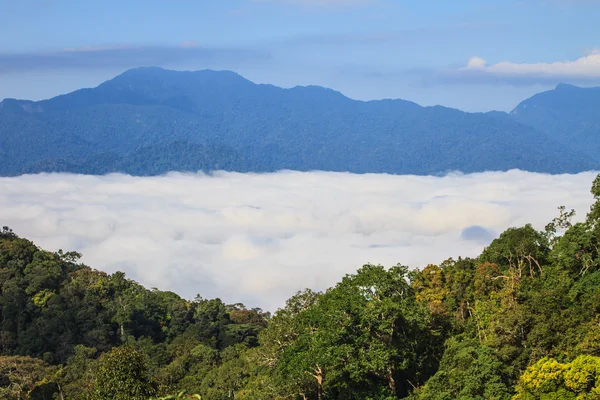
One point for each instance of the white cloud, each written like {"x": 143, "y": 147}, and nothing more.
{"x": 583, "y": 70}
{"x": 258, "y": 238}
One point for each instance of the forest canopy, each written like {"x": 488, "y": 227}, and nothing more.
{"x": 520, "y": 321}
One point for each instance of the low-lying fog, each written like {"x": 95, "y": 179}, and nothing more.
{"x": 259, "y": 238}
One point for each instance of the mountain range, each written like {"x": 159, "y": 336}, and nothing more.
{"x": 148, "y": 121}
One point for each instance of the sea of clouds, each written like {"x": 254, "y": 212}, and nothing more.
{"x": 259, "y": 238}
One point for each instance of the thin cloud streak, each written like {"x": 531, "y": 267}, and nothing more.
{"x": 258, "y": 238}
{"x": 126, "y": 56}
{"x": 390, "y": 36}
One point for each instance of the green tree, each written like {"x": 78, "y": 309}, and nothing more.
{"x": 365, "y": 338}
{"x": 76, "y": 377}
{"x": 468, "y": 371}
{"x": 19, "y": 376}
{"x": 122, "y": 374}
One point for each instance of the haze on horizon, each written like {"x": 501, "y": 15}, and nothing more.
{"x": 465, "y": 54}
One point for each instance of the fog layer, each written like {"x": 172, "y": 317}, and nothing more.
{"x": 258, "y": 238}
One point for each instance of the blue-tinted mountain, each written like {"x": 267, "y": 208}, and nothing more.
{"x": 569, "y": 115}
{"x": 148, "y": 121}
{"x": 179, "y": 155}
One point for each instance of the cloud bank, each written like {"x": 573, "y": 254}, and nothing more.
{"x": 126, "y": 56}
{"x": 584, "y": 70}
{"x": 258, "y": 238}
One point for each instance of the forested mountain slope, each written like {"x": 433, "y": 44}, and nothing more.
{"x": 228, "y": 122}
{"x": 518, "y": 322}
{"x": 568, "y": 114}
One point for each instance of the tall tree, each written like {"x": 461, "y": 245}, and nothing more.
{"x": 122, "y": 374}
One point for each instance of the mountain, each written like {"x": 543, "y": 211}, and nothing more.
{"x": 568, "y": 114}
{"x": 179, "y": 155}
{"x": 148, "y": 121}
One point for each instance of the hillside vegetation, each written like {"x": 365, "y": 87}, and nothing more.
{"x": 149, "y": 121}
{"x": 521, "y": 321}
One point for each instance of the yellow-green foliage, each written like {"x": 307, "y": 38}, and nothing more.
{"x": 41, "y": 298}
{"x": 550, "y": 379}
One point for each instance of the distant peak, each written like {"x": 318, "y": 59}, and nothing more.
{"x": 160, "y": 70}
{"x": 315, "y": 88}
{"x": 566, "y": 86}
{"x": 144, "y": 70}
{"x": 19, "y": 105}
{"x": 145, "y": 73}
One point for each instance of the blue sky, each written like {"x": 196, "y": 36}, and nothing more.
{"x": 474, "y": 55}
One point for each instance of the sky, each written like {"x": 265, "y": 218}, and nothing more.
{"x": 475, "y": 55}
{"x": 259, "y": 238}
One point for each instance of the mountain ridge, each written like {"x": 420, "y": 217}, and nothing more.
{"x": 558, "y": 87}
{"x": 269, "y": 128}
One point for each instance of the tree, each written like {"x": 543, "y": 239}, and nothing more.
{"x": 468, "y": 371}
{"x": 523, "y": 250}
{"x": 430, "y": 286}
{"x": 578, "y": 249}
{"x": 550, "y": 379}
{"x": 75, "y": 379}
{"x": 365, "y": 338}
{"x": 266, "y": 382}
{"x": 228, "y": 378}
{"x": 122, "y": 374}
{"x": 20, "y": 375}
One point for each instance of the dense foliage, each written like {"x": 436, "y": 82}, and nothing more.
{"x": 149, "y": 121}
{"x": 568, "y": 114}
{"x": 521, "y": 321}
